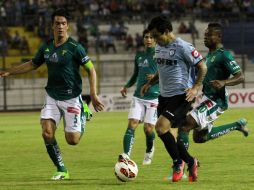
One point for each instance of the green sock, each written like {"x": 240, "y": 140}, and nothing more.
{"x": 221, "y": 130}
{"x": 55, "y": 155}
{"x": 184, "y": 136}
{"x": 128, "y": 141}
{"x": 149, "y": 141}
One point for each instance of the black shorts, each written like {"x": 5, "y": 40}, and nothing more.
{"x": 174, "y": 108}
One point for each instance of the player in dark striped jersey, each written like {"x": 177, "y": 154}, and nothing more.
{"x": 177, "y": 61}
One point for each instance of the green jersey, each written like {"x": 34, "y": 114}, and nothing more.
{"x": 63, "y": 63}
{"x": 144, "y": 64}
{"x": 220, "y": 65}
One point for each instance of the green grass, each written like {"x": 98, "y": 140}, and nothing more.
{"x": 226, "y": 163}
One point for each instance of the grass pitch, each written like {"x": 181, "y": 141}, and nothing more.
{"x": 226, "y": 163}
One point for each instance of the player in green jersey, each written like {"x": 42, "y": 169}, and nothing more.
{"x": 143, "y": 109}
{"x": 63, "y": 57}
{"x": 214, "y": 102}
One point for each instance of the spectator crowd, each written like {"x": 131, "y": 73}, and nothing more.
{"x": 88, "y": 14}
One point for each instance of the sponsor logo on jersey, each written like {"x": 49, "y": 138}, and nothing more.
{"x": 195, "y": 53}
{"x": 162, "y": 61}
{"x": 143, "y": 64}
{"x": 232, "y": 62}
{"x": 209, "y": 103}
{"x": 172, "y": 52}
{"x": 47, "y": 50}
{"x": 234, "y": 65}
{"x": 73, "y": 110}
{"x": 54, "y": 58}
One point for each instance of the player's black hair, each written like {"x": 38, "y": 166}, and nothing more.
{"x": 60, "y": 12}
{"x": 215, "y": 26}
{"x": 145, "y": 32}
{"x": 161, "y": 24}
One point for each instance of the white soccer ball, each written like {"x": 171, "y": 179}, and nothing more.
{"x": 126, "y": 170}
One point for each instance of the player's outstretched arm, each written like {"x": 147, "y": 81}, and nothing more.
{"x": 97, "y": 104}
{"x": 23, "y": 68}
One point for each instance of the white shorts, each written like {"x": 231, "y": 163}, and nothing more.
{"x": 144, "y": 110}
{"x": 70, "y": 110}
{"x": 206, "y": 112}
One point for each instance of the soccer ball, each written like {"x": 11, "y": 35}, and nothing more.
{"x": 126, "y": 170}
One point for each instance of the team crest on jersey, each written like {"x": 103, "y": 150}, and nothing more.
{"x": 172, "y": 52}
{"x": 53, "y": 58}
{"x": 195, "y": 53}
{"x": 64, "y": 52}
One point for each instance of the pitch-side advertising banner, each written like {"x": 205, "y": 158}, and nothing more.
{"x": 241, "y": 98}
{"x": 238, "y": 98}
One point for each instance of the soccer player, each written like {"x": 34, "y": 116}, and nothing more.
{"x": 143, "y": 109}
{"x": 63, "y": 57}
{"x": 221, "y": 64}
{"x": 178, "y": 61}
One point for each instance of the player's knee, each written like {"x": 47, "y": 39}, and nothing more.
{"x": 200, "y": 136}
{"x": 48, "y": 129}
{"x": 133, "y": 124}
{"x": 159, "y": 130}
{"x": 148, "y": 129}
{"x": 47, "y": 136}
{"x": 72, "y": 141}
{"x": 72, "y": 138}
{"x": 199, "y": 139}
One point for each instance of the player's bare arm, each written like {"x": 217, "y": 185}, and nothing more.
{"x": 149, "y": 76}
{"x": 152, "y": 81}
{"x": 97, "y": 104}
{"x": 235, "y": 80}
{"x": 23, "y": 68}
{"x": 124, "y": 91}
{"x": 191, "y": 93}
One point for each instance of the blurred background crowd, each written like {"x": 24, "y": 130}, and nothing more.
{"x": 88, "y": 15}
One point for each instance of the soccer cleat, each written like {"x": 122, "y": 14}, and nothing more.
{"x": 148, "y": 157}
{"x": 88, "y": 113}
{"x": 123, "y": 158}
{"x": 61, "y": 176}
{"x": 177, "y": 172}
{"x": 193, "y": 171}
{"x": 170, "y": 175}
{"x": 242, "y": 126}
